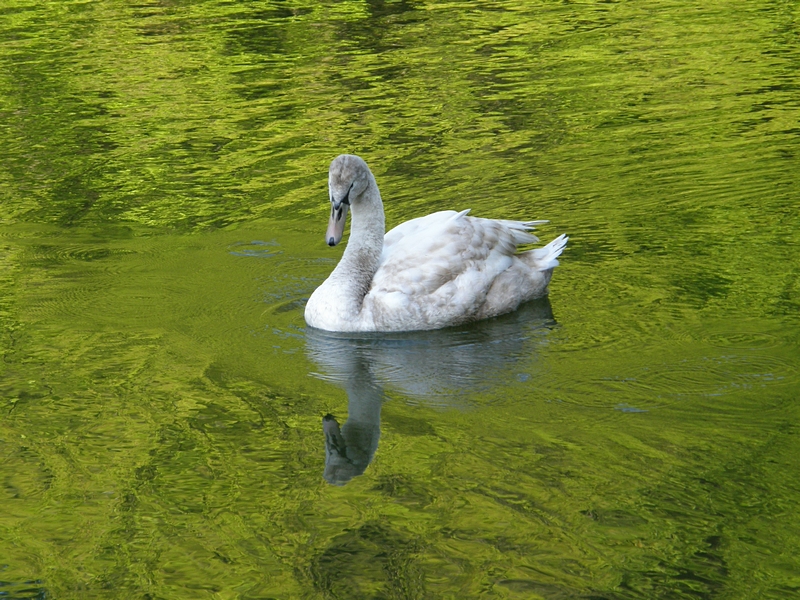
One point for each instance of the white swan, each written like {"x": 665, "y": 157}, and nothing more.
{"x": 435, "y": 271}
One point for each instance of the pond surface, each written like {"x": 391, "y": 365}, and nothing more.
{"x": 163, "y": 202}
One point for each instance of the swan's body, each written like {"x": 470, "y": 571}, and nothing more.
{"x": 435, "y": 271}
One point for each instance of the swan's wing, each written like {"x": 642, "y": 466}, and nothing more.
{"x": 414, "y": 226}
{"x": 437, "y": 270}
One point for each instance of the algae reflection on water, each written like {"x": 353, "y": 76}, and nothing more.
{"x": 162, "y": 210}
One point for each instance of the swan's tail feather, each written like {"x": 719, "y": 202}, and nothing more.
{"x": 546, "y": 257}
{"x": 521, "y": 230}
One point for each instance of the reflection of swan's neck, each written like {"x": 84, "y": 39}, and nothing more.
{"x": 364, "y": 400}
{"x": 352, "y": 277}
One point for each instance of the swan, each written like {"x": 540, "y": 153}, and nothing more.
{"x": 443, "y": 269}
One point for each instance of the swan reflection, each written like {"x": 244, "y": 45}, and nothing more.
{"x": 444, "y": 367}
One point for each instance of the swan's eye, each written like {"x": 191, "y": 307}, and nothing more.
{"x": 346, "y": 199}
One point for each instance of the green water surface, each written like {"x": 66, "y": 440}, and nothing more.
{"x": 163, "y": 190}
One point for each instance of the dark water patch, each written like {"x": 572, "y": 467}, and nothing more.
{"x": 373, "y": 559}
{"x": 26, "y": 590}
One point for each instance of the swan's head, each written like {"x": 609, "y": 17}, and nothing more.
{"x": 348, "y": 177}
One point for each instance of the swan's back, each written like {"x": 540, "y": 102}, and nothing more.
{"x": 448, "y": 268}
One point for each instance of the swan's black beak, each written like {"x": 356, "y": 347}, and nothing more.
{"x": 336, "y": 223}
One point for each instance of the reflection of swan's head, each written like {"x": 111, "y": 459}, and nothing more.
{"x": 338, "y": 470}
{"x": 344, "y": 461}
{"x": 348, "y": 177}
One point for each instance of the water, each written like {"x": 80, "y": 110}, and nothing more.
{"x": 163, "y": 186}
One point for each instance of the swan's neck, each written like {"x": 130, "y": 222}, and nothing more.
{"x": 352, "y": 277}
